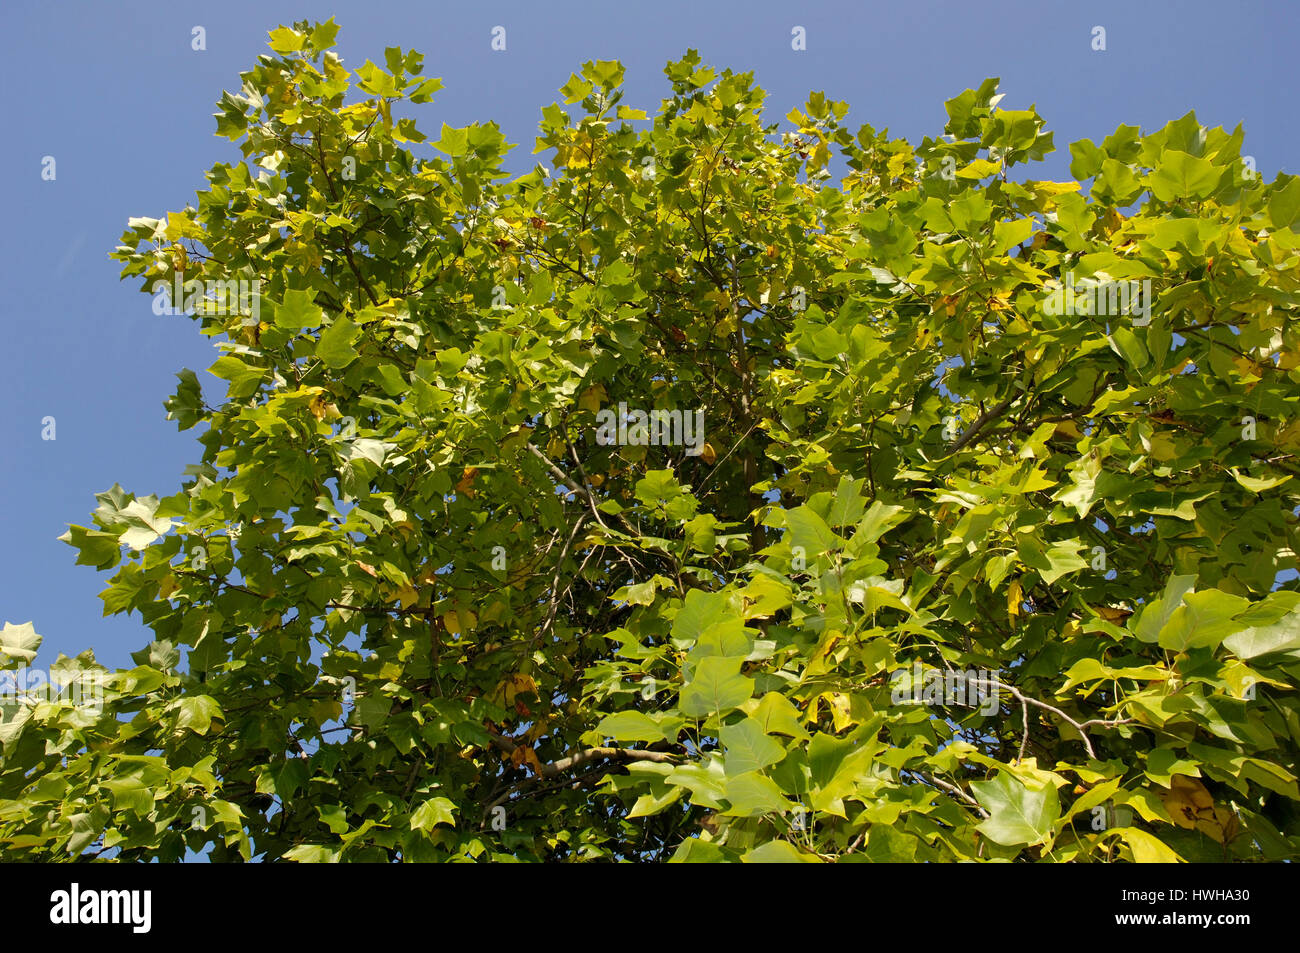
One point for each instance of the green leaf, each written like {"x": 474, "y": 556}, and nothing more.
{"x": 1007, "y": 235}
{"x": 879, "y": 519}
{"x": 86, "y": 828}
{"x": 751, "y": 794}
{"x": 1127, "y": 345}
{"x": 431, "y": 813}
{"x": 776, "y": 714}
{"x": 706, "y": 782}
{"x": 334, "y": 817}
{"x": 13, "y": 723}
{"x": 1280, "y": 636}
{"x": 1203, "y": 620}
{"x": 728, "y": 638}
{"x": 1284, "y": 203}
{"x": 1017, "y": 815}
{"x": 605, "y": 73}
{"x": 717, "y": 687}
{"x": 748, "y": 747}
{"x": 186, "y": 407}
{"x": 145, "y": 527}
{"x": 285, "y": 40}
{"x": 1182, "y": 176}
{"x": 243, "y": 377}
{"x": 1060, "y": 559}
{"x": 696, "y": 851}
{"x": 335, "y": 348}
{"x": 631, "y": 726}
{"x": 647, "y": 805}
{"x": 657, "y": 486}
{"x": 810, "y": 531}
{"x": 700, "y": 611}
{"x": 298, "y": 310}
{"x": 311, "y": 854}
{"x": 19, "y": 642}
{"x": 777, "y": 852}
{"x": 1257, "y": 485}
{"x": 887, "y": 846}
{"x": 453, "y": 142}
{"x": 322, "y": 36}
{"x": 196, "y": 713}
{"x": 837, "y": 765}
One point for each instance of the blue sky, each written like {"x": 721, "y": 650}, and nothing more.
{"x": 114, "y": 92}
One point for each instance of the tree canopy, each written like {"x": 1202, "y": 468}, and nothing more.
{"x": 724, "y": 489}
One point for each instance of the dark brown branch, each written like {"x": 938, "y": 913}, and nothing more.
{"x": 981, "y": 421}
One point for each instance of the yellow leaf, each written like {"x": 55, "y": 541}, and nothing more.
{"x": 467, "y": 482}
{"x": 593, "y": 398}
{"x": 823, "y": 649}
{"x": 838, "y": 703}
{"x": 1146, "y": 848}
{"x": 1046, "y": 189}
{"x": 525, "y": 755}
{"x": 718, "y": 297}
{"x": 1113, "y": 614}
{"x": 1192, "y": 806}
{"x": 1288, "y": 437}
{"x": 540, "y": 727}
{"x": 1014, "y": 597}
{"x": 406, "y": 596}
{"x": 518, "y": 684}
{"x": 708, "y": 454}
{"x": 1247, "y": 368}
{"x": 514, "y": 441}
{"x": 1162, "y": 447}
{"x": 1037, "y": 480}
{"x": 321, "y": 408}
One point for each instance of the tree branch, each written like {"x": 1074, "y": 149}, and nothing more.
{"x": 586, "y": 755}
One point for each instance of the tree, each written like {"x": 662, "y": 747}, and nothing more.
{"x": 680, "y": 501}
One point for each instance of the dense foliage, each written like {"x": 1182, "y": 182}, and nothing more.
{"x": 975, "y": 556}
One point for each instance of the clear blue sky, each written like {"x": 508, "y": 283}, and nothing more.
{"x": 113, "y": 91}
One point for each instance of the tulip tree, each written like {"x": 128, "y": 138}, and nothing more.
{"x": 981, "y": 552}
